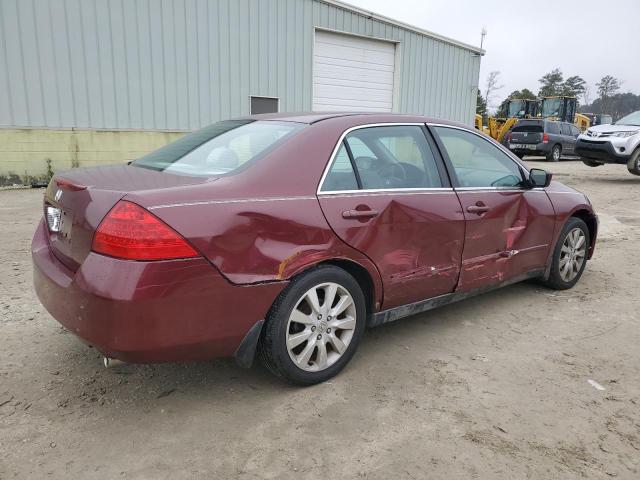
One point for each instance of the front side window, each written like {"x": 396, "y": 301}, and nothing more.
{"x": 477, "y": 162}
{"x": 565, "y": 129}
{"x": 219, "y": 149}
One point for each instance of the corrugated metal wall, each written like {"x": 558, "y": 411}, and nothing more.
{"x": 182, "y": 64}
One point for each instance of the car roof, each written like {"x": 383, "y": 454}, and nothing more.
{"x": 356, "y": 117}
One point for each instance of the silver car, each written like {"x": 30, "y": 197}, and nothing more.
{"x": 615, "y": 143}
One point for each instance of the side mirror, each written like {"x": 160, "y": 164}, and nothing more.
{"x": 539, "y": 178}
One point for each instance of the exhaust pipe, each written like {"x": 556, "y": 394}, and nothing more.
{"x": 109, "y": 362}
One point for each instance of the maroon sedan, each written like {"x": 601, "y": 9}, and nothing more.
{"x": 286, "y": 235}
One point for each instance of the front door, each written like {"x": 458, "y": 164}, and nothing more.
{"x": 387, "y": 195}
{"x": 509, "y": 228}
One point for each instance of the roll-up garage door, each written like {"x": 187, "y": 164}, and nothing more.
{"x": 352, "y": 73}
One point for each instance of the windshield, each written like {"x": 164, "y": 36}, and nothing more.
{"x": 220, "y": 148}
{"x": 632, "y": 119}
{"x": 516, "y": 108}
{"x": 551, "y": 107}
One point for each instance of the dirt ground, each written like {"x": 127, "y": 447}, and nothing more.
{"x": 495, "y": 387}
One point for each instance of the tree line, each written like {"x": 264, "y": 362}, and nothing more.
{"x": 609, "y": 100}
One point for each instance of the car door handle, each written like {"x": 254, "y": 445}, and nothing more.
{"x": 478, "y": 209}
{"x": 359, "y": 213}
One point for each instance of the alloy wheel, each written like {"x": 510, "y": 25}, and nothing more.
{"x": 572, "y": 254}
{"x": 321, "y": 327}
{"x": 556, "y": 154}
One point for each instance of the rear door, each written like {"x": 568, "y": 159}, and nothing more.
{"x": 509, "y": 228}
{"x": 554, "y": 133}
{"x": 575, "y": 131}
{"x": 386, "y": 193}
{"x": 568, "y": 141}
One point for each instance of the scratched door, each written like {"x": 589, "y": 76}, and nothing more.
{"x": 509, "y": 227}
{"x": 398, "y": 210}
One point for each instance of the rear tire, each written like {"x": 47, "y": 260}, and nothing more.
{"x": 555, "y": 154}
{"x": 569, "y": 256}
{"x": 633, "y": 165}
{"x": 591, "y": 163}
{"x": 309, "y": 334}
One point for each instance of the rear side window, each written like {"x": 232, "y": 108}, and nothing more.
{"x": 393, "y": 157}
{"x": 529, "y": 128}
{"x": 553, "y": 128}
{"x": 219, "y": 149}
{"x": 477, "y": 162}
{"x": 341, "y": 175}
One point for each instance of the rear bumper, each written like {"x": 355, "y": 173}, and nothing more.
{"x": 147, "y": 312}
{"x": 601, "y": 151}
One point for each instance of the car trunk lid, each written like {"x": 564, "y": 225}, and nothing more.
{"x": 81, "y": 198}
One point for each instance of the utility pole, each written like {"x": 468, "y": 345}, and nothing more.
{"x": 483, "y": 34}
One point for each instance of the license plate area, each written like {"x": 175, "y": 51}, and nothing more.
{"x": 66, "y": 222}
{"x": 522, "y": 146}
{"x": 60, "y": 223}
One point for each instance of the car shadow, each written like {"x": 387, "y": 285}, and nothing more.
{"x": 81, "y": 380}
{"x": 630, "y": 180}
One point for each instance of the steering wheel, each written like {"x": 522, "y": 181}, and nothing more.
{"x": 393, "y": 174}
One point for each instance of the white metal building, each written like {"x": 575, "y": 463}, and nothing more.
{"x": 176, "y": 65}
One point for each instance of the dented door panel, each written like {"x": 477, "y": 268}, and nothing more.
{"x": 512, "y": 236}
{"x": 415, "y": 239}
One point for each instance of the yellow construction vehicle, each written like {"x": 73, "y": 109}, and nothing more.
{"x": 599, "y": 118}
{"x": 479, "y": 126}
{"x": 516, "y": 108}
{"x": 498, "y": 127}
{"x": 563, "y": 109}
{"x": 522, "y": 108}
{"x": 478, "y": 122}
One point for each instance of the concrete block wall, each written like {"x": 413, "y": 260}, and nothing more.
{"x": 24, "y": 153}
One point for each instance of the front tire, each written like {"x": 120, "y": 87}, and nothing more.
{"x": 570, "y": 255}
{"x": 633, "y": 165}
{"x": 555, "y": 154}
{"x": 314, "y": 327}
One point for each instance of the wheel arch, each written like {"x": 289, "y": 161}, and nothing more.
{"x": 363, "y": 277}
{"x": 590, "y": 219}
{"x": 364, "y": 272}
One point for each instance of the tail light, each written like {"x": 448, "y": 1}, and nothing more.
{"x": 133, "y": 233}
{"x": 545, "y": 138}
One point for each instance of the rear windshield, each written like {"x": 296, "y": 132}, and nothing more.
{"x": 219, "y": 149}
{"x": 528, "y": 127}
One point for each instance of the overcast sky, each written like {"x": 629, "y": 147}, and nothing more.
{"x": 525, "y": 40}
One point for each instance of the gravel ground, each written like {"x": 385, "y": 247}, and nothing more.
{"x": 498, "y": 387}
